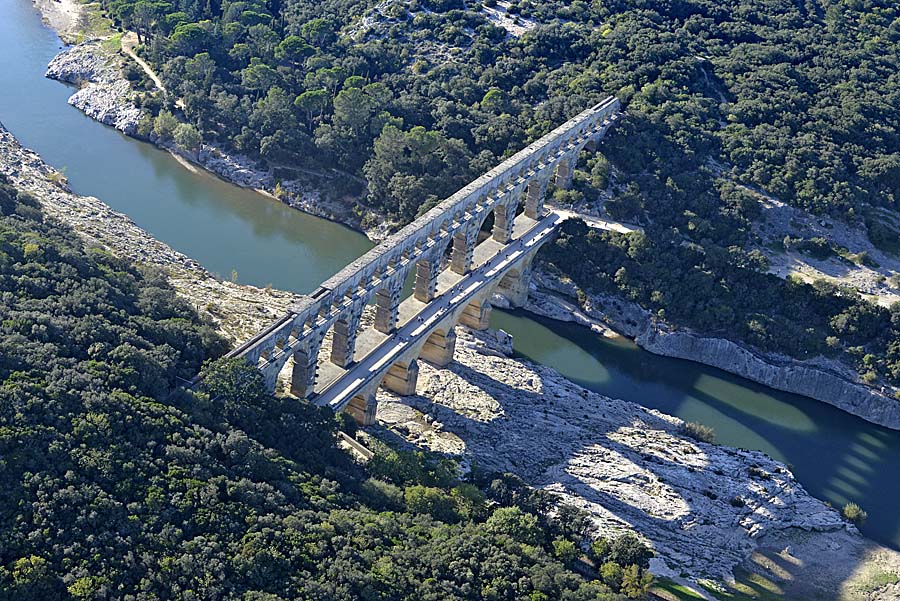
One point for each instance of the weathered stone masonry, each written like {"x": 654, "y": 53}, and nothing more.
{"x": 420, "y": 248}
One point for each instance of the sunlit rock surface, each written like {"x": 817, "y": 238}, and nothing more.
{"x": 703, "y": 507}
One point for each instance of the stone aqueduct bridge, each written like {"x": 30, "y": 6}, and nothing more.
{"x": 361, "y": 361}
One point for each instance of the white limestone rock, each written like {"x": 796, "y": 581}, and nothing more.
{"x": 628, "y": 466}
{"x": 103, "y": 93}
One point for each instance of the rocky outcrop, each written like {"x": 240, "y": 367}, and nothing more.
{"x": 238, "y": 310}
{"x": 237, "y": 169}
{"x": 820, "y": 378}
{"x": 102, "y": 92}
{"x": 703, "y": 507}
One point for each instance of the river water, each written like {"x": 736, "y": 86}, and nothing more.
{"x": 836, "y": 456}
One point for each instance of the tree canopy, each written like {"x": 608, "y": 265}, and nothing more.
{"x": 115, "y": 484}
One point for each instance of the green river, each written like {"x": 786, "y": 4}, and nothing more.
{"x": 836, "y": 456}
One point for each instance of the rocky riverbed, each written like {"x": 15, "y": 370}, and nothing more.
{"x": 705, "y": 508}
{"x": 238, "y": 310}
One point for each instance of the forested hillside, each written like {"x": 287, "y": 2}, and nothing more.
{"x": 798, "y": 98}
{"x": 724, "y": 99}
{"x": 112, "y": 486}
{"x": 725, "y": 292}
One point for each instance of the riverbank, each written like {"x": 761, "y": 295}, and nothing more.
{"x": 238, "y": 310}
{"x": 104, "y": 94}
{"x": 821, "y": 379}
{"x": 66, "y": 17}
{"x": 707, "y": 509}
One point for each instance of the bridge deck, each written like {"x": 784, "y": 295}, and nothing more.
{"x": 375, "y": 359}
{"x": 370, "y": 338}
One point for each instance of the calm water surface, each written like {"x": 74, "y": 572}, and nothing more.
{"x": 836, "y": 456}
{"x": 224, "y": 227}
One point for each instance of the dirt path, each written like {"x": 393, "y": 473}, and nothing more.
{"x": 129, "y": 41}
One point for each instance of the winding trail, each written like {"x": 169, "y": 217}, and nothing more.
{"x": 129, "y": 41}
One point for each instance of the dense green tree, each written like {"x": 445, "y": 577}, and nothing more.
{"x": 116, "y": 484}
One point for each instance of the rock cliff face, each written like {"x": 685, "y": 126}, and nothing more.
{"x": 102, "y": 93}
{"x": 703, "y": 507}
{"x": 822, "y": 379}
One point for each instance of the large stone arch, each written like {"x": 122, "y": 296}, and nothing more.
{"x": 439, "y": 347}
{"x": 419, "y": 247}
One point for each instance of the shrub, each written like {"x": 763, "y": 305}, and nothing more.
{"x": 516, "y": 524}
{"x": 699, "y": 432}
{"x": 854, "y": 513}
{"x": 628, "y": 549}
{"x": 599, "y": 550}
{"x": 611, "y": 574}
{"x": 565, "y": 550}
{"x": 347, "y": 424}
{"x": 164, "y": 125}
{"x": 817, "y": 248}
{"x": 635, "y": 582}
{"x": 187, "y": 137}
{"x": 431, "y": 500}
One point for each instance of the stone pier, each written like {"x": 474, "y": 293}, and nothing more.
{"x": 387, "y": 303}
{"x": 439, "y": 348}
{"x": 427, "y": 271}
{"x": 344, "y": 342}
{"x": 401, "y": 378}
{"x": 362, "y": 408}
{"x": 564, "y": 174}
{"x": 477, "y": 315}
{"x": 504, "y": 219}
{"x": 463, "y": 250}
{"x": 534, "y": 198}
{"x": 303, "y": 373}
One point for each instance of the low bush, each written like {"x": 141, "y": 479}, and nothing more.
{"x": 699, "y": 432}
{"x": 854, "y": 513}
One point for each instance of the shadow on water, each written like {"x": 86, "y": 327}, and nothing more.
{"x": 836, "y": 456}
